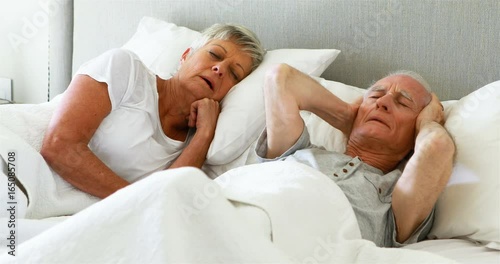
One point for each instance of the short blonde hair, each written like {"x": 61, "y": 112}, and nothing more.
{"x": 241, "y": 35}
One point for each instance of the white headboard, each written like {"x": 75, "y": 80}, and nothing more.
{"x": 453, "y": 44}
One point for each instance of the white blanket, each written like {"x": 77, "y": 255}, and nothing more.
{"x": 181, "y": 216}
{"x": 281, "y": 212}
{"x": 28, "y": 121}
{"x": 22, "y": 128}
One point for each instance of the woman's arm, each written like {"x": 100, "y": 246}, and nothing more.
{"x": 65, "y": 145}
{"x": 203, "y": 115}
{"x": 426, "y": 173}
{"x": 286, "y": 92}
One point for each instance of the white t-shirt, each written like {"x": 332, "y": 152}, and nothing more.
{"x": 130, "y": 139}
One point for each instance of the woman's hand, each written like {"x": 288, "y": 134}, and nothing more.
{"x": 203, "y": 115}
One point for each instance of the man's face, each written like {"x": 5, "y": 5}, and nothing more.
{"x": 388, "y": 113}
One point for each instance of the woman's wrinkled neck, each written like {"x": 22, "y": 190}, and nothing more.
{"x": 172, "y": 105}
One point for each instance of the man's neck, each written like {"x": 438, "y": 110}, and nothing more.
{"x": 374, "y": 154}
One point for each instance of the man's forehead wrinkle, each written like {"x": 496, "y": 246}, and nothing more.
{"x": 379, "y": 88}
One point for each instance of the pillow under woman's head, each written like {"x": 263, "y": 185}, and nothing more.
{"x": 160, "y": 45}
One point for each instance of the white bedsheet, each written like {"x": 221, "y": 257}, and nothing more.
{"x": 461, "y": 250}
{"x": 181, "y": 216}
{"x": 28, "y": 121}
{"x": 49, "y": 195}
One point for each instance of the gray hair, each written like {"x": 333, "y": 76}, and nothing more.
{"x": 417, "y": 77}
{"x": 241, "y": 35}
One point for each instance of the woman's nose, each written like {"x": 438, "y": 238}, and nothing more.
{"x": 217, "y": 70}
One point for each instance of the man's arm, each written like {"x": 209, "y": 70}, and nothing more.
{"x": 426, "y": 173}
{"x": 286, "y": 92}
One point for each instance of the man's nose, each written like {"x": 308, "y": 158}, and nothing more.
{"x": 386, "y": 101}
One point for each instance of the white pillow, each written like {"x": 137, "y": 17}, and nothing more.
{"x": 243, "y": 115}
{"x": 470, "y": 205}
{"x": 160, "y": 45}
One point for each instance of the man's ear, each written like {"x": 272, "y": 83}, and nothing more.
{"x": 185, "y": 54}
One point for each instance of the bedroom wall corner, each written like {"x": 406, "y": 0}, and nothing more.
{"x": 60, "y": 47}
{"x": 24, "y": 47}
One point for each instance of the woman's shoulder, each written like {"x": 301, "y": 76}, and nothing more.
{"x": 127, "y": 57}
{"x": 110, "y": 59}
{"x": 121, "y": 55}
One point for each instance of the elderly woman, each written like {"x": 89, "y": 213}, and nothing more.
{"x": 119, "y": 122}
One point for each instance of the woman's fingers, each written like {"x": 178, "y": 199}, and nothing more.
{"x": 204, "y": 113}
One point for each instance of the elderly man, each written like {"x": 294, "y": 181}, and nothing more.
{"x": 397, "y": 120}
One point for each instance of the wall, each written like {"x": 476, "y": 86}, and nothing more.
{"x": 24, "y": 48}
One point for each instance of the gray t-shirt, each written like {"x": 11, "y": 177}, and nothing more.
{"x": 367, "y": 188}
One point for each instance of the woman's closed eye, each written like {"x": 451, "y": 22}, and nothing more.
{"x": 235, "y": 76}
{"x": 214, "y": 55}
{"x": 218, "y": 57}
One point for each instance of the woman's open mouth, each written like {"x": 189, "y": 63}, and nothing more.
{"x": 210, "y": 85}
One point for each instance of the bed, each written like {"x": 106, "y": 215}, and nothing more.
{"x": 345, "y": 45}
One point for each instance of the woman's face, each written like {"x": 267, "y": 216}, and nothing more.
{"x": 213, "y": 69}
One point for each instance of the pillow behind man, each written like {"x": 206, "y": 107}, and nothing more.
{"x": 470, "y": 205}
